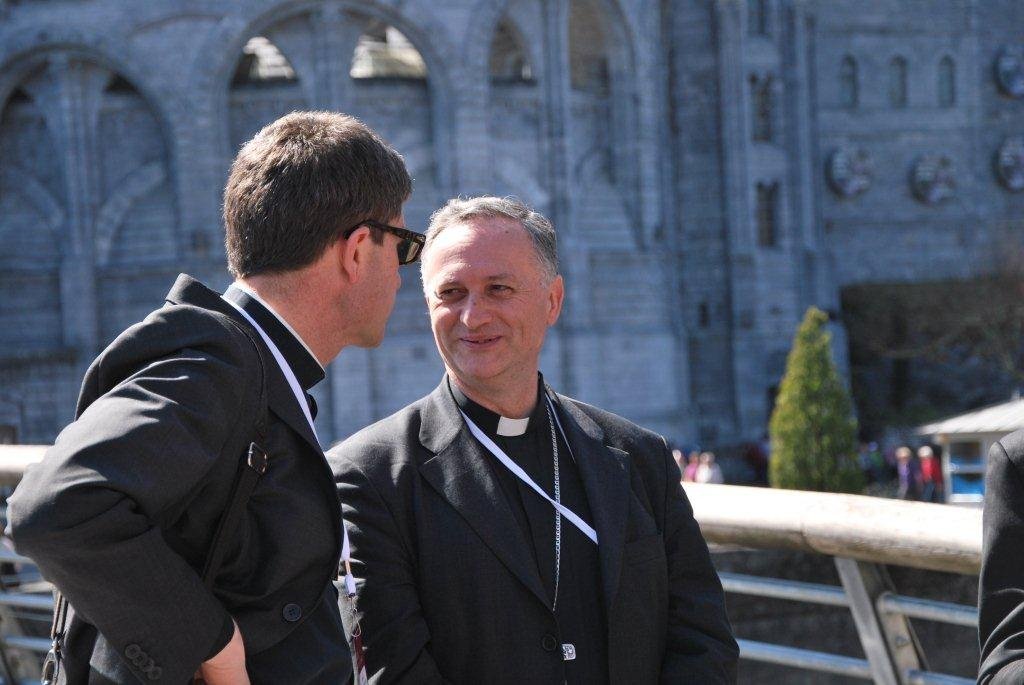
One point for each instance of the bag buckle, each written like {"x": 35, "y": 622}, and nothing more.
{"x": 257, "y": 459}
{"x": 51, "y": 664}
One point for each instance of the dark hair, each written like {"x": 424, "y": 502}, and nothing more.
{"x": 300, "y": 182}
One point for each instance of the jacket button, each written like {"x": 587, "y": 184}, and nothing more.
{"x": 292, "y": 612}
{"x": 155, "y": 673}
{"x": 132, "y": 651}
{"x": 549, "y": 643}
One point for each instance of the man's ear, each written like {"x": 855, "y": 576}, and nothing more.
{"x": 352, "y": 254}
{"x": 556, "y": 295}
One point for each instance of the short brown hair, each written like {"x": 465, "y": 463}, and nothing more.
{"x": 299, "y": 183}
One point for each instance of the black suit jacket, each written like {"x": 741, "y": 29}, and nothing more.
{"x": 1001, "y": 591}
{"x": 122, "y": 509}
{"x": 449, "y": 590}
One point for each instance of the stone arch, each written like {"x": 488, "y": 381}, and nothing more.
{"x": 256, "y": 100}
{"x": 27, "y": 50}
{"x": 605, "y": 106}
{"x": 488, "y": 13}
{"x": 516, "y": 108}
{"x": 23, "y": 183}
{"x": 112, "y": 214}
{"x": 103, "y": 122}
{"x": 517, "y": 62}
{"x": 209, "y": 83}
{"x": 396, "y": 56}
{"x": 602, "y": 215}
{"x": 32, "y": 214}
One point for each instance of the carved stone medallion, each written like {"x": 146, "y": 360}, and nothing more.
{"x": 933, "y": 179}
{"x": 1010, "y": 163}
{"x": 849, "y": 172}
{"x": 1010, "y": 70}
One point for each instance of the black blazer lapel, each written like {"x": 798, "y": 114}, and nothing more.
{"x": 605, "y": 474}
{"x": 282, "y": 401}
{"x": 461, "y": 473}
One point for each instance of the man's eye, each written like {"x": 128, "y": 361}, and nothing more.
{"x": 500, "y": 288}
{"x": 448, "y": 293}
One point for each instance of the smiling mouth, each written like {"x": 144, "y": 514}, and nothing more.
{"x": 480, "y": 342}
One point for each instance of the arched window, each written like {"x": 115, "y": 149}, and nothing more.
{"x": 761, "y": 100}
{"x": 262, "y": 64}
{"x": 947, "y": 82}
{"x": 757, "y": 17}
{"x": 509, "y": 63}
{"x": 588, "y": 58}
{"x": 849, "y": 86}
{"x": 384, "y": 52}
{"x": 898, "y": 82}
{"x": 767, "y": 214}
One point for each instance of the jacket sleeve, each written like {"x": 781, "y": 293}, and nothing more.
{"x": 1001, "y": 592}
{"x": 89, "y": 514}
{"x": 700, "y": 647}
{"x": 395, "y": 634}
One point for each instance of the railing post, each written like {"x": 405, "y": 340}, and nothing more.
{"x": 889, "y": 642}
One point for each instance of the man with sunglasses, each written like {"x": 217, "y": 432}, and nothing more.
{"x": 505, "y": 533}
{"x": 203, "y": 408}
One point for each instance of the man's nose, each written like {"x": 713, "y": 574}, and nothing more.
{"x": 475, "y": 312}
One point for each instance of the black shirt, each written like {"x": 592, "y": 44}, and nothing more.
{"x": 307, "y": 371}
{"x": 579, "y": 611}
{"x": 304, "y": 365}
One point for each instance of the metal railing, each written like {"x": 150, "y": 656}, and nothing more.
{"x": 863, "y": 535}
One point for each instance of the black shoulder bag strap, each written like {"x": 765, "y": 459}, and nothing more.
{"x": 250, "y": 469}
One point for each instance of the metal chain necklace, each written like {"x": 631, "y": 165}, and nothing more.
{"x": 558, "y": 498}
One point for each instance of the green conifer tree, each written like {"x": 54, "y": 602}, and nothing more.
{"x": 813, "y": 430}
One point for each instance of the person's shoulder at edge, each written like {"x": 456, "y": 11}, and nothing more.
{"x": 618, "y": 431}
{"x": 1013, "y": 445}
{"x": 377, "y": 442}
{"x": 179, "y": 327}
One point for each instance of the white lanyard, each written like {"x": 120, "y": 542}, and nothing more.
{"x": 300, "y": 397}
{"x": 500, "y": 455}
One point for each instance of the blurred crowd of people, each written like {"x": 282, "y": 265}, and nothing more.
{"x": 698, "y": 467}
{"x": 918, "y": 475}
{"x": 911, "y": 475}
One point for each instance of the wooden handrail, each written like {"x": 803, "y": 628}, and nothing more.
{"x": 937, "y": 537}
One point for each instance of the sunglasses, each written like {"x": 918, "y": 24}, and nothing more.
{"x": 410, "y": 245}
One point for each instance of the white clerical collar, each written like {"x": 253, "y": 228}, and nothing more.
{"x": 252, "y": 293}
{"x": 512, "y": 427}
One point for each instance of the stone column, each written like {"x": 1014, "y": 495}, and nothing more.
{"x": 69, "y": 94}
{"x": 743, "y": 277}
{"x": 334, "y": 40}
{"x": 558, "y": 113}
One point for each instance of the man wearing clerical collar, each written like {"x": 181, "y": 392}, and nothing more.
{"x": 502, "y": 532}
{"x": 188, "y": 515}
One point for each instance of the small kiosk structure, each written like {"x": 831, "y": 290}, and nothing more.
{"x": 965, "y": 441}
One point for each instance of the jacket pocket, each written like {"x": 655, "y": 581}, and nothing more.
{"x": 644, "y": 549}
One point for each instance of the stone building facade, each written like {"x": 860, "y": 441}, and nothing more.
{"x": 713, "y": 167}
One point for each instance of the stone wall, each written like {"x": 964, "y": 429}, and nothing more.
{"x": 712, "y": 166}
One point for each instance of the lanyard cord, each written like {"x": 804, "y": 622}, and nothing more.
{"x": 517, "y": 470}
{"x": 300, "y": 397}
{"x": 560, "y": 509}
{"x": 558, "y": 500}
